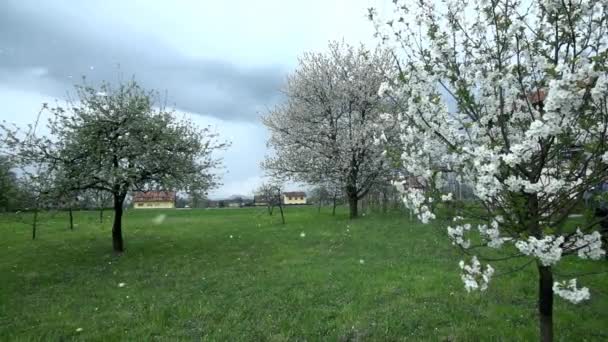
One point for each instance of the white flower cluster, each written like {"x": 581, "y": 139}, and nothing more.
{"x": 485, "y": 167}
{"x": 385, "y": 88}
{"x": 456, "y": 234}
{"x": 548, "y": 249}
{"x": 569, "y": 292}
{"x": 587, "y": 246}
{"x": 415, "y": 200}
{"x": 492, "y": 233}
{"x": 447, "y": 197}
{"x": 473, "y": 277}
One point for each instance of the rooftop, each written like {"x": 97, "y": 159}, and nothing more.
{"x": 153, "y": 196}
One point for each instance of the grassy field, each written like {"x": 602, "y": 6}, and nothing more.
{"x": 239, "y": 275}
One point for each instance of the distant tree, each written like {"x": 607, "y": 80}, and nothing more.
{"x": 181, "y": 201}
{"x": 37, "y": 181}
{"x": 118, "y": 139}
{"x": 326, "y": 128}
{"x": 103, "y": 199}
{"x": 62, "y": 194}
{"x": 382, "y": 195}
{"x": 326, "y": 193}
{"x": 9, "y": 186}
{"x": 198, "y": 199}
{"x": 319, "y": 195}
{"x": 271, "y": 192}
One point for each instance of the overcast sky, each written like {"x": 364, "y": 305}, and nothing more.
{"x": 220, "y": 62}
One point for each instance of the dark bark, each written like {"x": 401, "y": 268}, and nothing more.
{"x": 101, "y": 215}
{"x": 319, "y": 207}
{"x": 333, "y": 211}
{"x": 545, "y": 303}
{"x": 34, "y": 224}
{"x": 117, "y": 241}
{"x": 545, "y": 276}
{"x": 353, "y": 205}
{"x": 71, "y": 218}
{"x": 384, "y": 201}
{"x": 281, "y": 208}
{"x": 602, "y": 213}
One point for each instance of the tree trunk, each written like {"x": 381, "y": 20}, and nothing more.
{"x": 117, "y": 241}
{"x": 282, "y": 216}
{"x": 545, "y": 303}
{"x": 384, "y": 201}
{"x": 281, "y": 208}
{"x": 353, "y": 204}
{"x": 319, "y": 208}
{"x": 602, "y": 213}
{"x": 364, "y": 204}
{"x": 101, "y": 215}
{"x": 459, "y": 191}
{"x": 333, "y": 211}
{"x": 34, "y": 223}
{"x": 71, "y": 218}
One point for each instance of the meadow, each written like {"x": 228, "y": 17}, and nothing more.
{"x": 240, "y": 275}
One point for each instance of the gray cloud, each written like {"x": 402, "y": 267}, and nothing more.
{"x": 49, "y": 52}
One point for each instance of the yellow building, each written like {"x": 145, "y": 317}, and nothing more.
{"x": 295, "y": 197}
{"x": 154, "y": 200}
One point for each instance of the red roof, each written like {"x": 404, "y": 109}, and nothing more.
{"x": 154, "y": 196}
{"x": 295, "y": 194}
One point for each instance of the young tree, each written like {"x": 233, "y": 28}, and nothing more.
{"x": 510, "y": 96}
{"x": 326, "y": 192}
{"x": 320, "y": 195}
{"x": 325, "y": 128}
{"x": 37, "y": 180}
{"x": 118, "y": 139}
{"x": 271, "y": 192}
{"x": 102, "y": 200}
{"x": 61, "y": 194}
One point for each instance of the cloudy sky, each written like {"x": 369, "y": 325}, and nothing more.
{"x": 220, "y": 62}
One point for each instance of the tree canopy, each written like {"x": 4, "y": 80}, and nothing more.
{"x": 324, "y": 131}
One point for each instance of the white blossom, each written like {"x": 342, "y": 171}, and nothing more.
{"x": 548, "y": 249}
{"x": 474, "y": 277}
{"x": 569, "y": 291}
{"x": 457, "y": 232}
{"x": 492, "y": 233}
{"x": 587, "y": 246}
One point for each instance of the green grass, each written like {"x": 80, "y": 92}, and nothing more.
{"x": 187, "y": 279}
